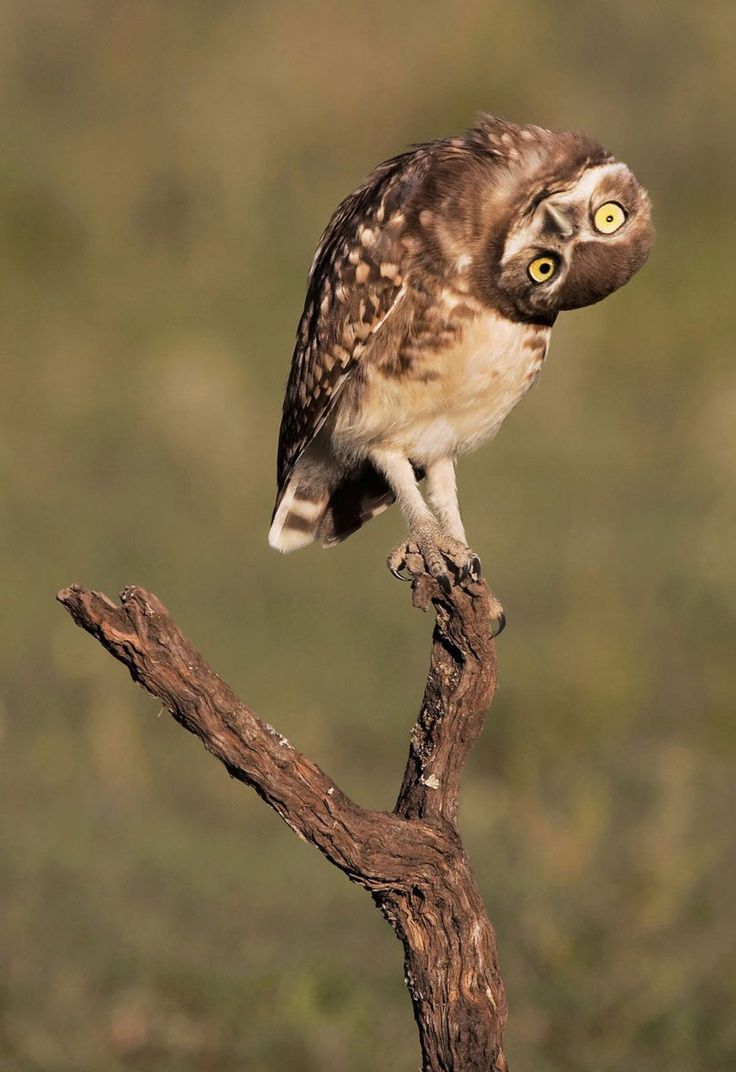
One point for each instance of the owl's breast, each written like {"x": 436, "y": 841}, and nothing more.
{"x": 490, "y": 370}
{"x": 453, "y": 394}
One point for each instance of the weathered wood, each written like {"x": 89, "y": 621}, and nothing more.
{"x": 411, "y": 860}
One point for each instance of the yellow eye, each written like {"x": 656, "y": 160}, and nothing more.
{"x": 609, "y": 217}
{"x": 542, "y": 269}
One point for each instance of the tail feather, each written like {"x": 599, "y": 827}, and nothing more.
{"x": 297, "y": 518}
{"x": 354, "y": 501}
{"x": 330, "y": 514}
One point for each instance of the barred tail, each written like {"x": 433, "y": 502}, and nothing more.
{"x": 330, "y": 513}
{"x": 297, "y": 517}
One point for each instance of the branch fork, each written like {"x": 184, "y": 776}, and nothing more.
{"x": 411, "y": 860}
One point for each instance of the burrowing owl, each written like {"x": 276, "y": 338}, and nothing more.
{"x": 428, "y": 313}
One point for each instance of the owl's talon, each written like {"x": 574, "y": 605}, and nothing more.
{"x": 498, "y": 624}
{"x": 443, "y": 580}
{"x": 399, "y": 572}
{"x": 465, "y": 561}
{"x": 437, "y": 550}
{"x": 470, "y": 569}
{"x": 396, "y": 563}
{"x": 405, "y": 561}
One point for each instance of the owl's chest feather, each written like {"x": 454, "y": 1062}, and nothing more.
{"x": 454, "y": 397}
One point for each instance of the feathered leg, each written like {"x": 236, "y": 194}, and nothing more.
{"x": 442, "y": 495}
{"x": 431, "y": 535}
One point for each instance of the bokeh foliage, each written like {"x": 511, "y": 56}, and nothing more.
{"x": 166, "y": 171}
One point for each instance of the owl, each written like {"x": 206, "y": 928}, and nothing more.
{"x": 428, "y": 314}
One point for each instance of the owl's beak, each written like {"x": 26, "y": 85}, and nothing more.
{"x": 561, "y": 222}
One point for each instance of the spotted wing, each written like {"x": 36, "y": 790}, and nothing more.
{"x": 356, "y": 280}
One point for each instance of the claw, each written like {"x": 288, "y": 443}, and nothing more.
{"x": 396, "y": 563}
{"x": 471, "y": 569}
{"x": 445, "y": 583}
{"x": 499, "y": 624}
{"x": 398, "y": 572}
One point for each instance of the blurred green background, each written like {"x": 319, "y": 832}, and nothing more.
{"x": 166, "y": 170}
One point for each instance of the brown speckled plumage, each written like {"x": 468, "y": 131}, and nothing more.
{"x": 422, "y": 326}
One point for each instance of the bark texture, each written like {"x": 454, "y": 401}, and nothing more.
{"x": 411, "y": 860}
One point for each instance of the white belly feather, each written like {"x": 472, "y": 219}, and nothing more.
{"x": 461, "y": 399}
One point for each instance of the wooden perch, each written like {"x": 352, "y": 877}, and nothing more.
{"x": 411, "y": 860}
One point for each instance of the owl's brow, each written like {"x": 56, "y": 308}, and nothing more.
{"x": 537, "y": 199}
{"x": 547, "y": 191}
{"x": 621, "y": 186}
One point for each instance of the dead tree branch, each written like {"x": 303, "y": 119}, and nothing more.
{"x": 411, "y": 860}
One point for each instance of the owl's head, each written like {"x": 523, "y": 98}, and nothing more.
{"x": 580, "y": 228}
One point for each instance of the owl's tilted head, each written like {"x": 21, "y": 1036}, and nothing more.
{"x": 580, "y": 225}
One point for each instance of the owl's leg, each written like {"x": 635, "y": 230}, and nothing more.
{"x": 424, "y": 529}
{"x": 442, "y": 495}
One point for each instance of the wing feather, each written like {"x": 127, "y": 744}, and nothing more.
{"x": 356, "y": 280}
